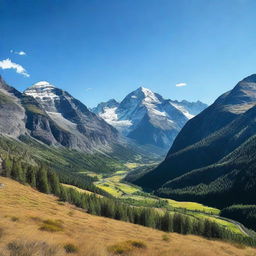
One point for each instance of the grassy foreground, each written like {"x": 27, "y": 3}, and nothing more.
{"x": 29, "y": 219}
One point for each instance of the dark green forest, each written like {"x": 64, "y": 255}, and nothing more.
{"x": 245, "y": 214}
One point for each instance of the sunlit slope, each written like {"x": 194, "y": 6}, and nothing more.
{"x": 23, "y": 212}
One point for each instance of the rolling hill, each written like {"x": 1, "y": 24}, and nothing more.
{"x": 32, "y": 222}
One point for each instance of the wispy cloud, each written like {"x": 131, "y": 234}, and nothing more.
{"x": 181, "y": 84}
{"x": 8, "y": 64}
{"x": 88, "y": 89}
{"x": 21, "y": 53}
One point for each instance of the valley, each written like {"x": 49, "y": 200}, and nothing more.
{"x": 127, "y": 128}
{"x": 115, "y": 185}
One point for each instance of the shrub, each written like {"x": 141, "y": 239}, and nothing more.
{"x": 14, "y": 218}
{"x": 70, "y": 248}
{"x": 137, "y": 244}
{"x": 51, "y": 226}
{"x": 166, "y": 238}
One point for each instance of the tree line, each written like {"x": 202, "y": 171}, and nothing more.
{"x": 246, "y": 214}
{"x": 47, "y": 181}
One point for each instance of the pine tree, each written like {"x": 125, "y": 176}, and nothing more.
{"x": 17, "y": 172}
{"x": 54, "y": 183}
{"x": 7, "y": 166}
{"x": 42, "y": 181}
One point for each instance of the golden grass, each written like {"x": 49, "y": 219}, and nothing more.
{"x": 91, "y": 235}
{"x": 52, "y": 226}
{"x": 126, "y": 247}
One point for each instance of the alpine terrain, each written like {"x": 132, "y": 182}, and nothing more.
{"x": 147, "y": 117}
{"x": 212, "y": 160}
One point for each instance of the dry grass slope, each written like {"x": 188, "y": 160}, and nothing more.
{"x": 87, "y": 235}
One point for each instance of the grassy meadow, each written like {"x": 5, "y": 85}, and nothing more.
{"x": 32, "y": 223}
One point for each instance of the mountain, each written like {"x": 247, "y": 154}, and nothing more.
{"x": 71, "y": 123}
{"x": 147, "y": 117}
{"x": 216, "y": 165}
{"x": 47, "y": 125}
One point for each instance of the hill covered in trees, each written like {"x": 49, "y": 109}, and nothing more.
{"x": 213, "y": 158}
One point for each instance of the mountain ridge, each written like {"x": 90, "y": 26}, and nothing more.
{"x": 143, "y": 109}
{"x": 202, "y": 170}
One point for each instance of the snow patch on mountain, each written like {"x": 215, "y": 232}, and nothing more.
{"x": 142, "y": 109}
{"x": 42, "y": 90}
{"x": 183, "y": 110}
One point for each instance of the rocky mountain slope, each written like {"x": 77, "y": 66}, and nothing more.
{"x": 49, "y": 115}
{"x": 217, "y": 162}
{"x": 147, "y": 117}
{"x": 52, "y": 116}
{"x": 77, "y": 127}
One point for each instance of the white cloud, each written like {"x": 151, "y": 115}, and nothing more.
{"x": 181, "y": 84}
{"x": 21, "y": 53}
{"x": 88, "y": 89}
{"x": 8, "y": 64}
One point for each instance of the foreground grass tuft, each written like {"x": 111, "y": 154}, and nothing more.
{"x": 14, "y": 218}
{"x": 22, "y": 248}
{"x": 52, "y": 226}
{"x": 165, "y": 238}
{"x": 70, "y": 248}
{"x": 124, "y": 248}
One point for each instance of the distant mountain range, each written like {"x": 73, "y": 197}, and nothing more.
{"x": 213, "y": 158}
{"x": 52, "y": 116}
{"x": 49, "y": 120}
{"x": 147, "y": 117}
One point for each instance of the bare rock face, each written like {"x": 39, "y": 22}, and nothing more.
{"x": 12, "y": 114}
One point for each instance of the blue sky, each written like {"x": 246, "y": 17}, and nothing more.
{"x": 102, "y": 49}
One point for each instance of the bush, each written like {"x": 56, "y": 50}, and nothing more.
{"x": 137, "y": 244}
{"x": 165, "y": 238}
{"x": 51, "y": 226}
{"x": 14, "y": 218}
{"x": 70, "y": 248}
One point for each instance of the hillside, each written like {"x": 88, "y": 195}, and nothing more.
{"x": 212, "y": 159}
{"x": 25, "y": 211}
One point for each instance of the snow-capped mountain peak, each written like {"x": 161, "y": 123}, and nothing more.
{"x": 42, "y": 84}
{"x": 147, "y": 117}
{"x": 42, "y": 90}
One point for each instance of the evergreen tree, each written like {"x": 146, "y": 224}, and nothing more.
{"x": 42, "y": 181}
{"x": 7, "y": 166}
{"x": 54, "y": 183}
